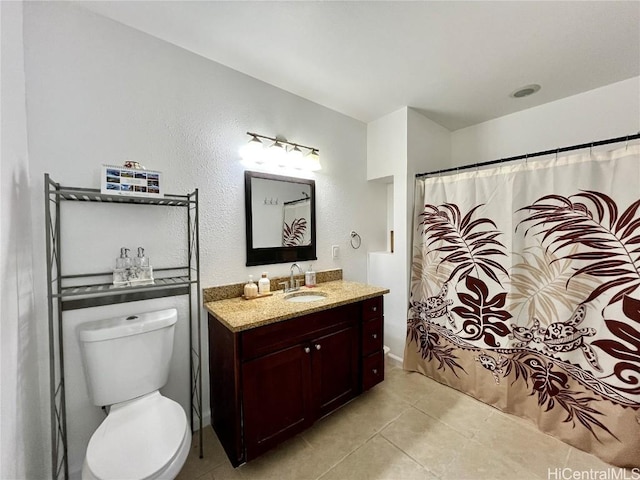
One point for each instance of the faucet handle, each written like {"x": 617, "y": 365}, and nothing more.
{"x": 285, "y": 286}
{"x": 299, "y": 283}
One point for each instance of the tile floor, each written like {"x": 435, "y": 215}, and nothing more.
{"x": 408, "y": 427}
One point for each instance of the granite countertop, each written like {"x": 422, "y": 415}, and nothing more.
{"x": 238, "y": 314}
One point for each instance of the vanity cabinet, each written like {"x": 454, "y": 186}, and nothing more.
{"x": 271, "y": 382}
{"x": 372, "y": 348}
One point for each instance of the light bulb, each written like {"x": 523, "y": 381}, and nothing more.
{"x": 277, "y": 154}
{"x": 253, "y": 151}
{"x": 295, "y": 157}
{"x": 312, "y": 161}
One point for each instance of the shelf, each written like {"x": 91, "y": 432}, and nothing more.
{"x": 78, "y": 291}
{"x": 94, "y": 195}
{"x": 107, "y": 294}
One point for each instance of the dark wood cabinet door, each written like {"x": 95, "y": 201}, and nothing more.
{"x": 335, "y": 369}
{"x": 276, "y": 398}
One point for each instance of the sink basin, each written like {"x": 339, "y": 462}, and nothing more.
{"x": 300, "y": 297}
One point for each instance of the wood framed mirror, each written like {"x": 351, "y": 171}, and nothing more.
{"x": 280, "y": 215}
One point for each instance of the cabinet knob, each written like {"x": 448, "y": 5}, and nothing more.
{"x": 375, "y": 309}
{"x": 374, "y": 335}
{"x": 375, "y": 371}
{"x": 318, "y": 346}
{"x": 307, "y": 350}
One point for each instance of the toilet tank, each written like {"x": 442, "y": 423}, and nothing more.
{"x": 127, "y": 357}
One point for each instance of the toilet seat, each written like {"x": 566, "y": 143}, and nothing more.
{"x": 140, "y": 439}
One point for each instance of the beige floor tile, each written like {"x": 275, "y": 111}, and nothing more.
{"x": 390, "y": 363}
{"x": 206, "y": 476}
{"x": 533, "y": 450}
{"x": 224, "y": 472}
{"x": 408, "y": 386}
{"x": 380, "y": 435}
{"x": 461, "y": 412}
{"x": 430, "y": 442}
{"x": 376, "y": 407}
{"x": 523, "y": 423}
{"x": 345, "y": 430}
{"x": 377, "y": 459}
{"x": 214, "y": 455}
{"x": 293, "y": 460}
{"x": 475, "y": 461}
{"x": 339, "y": 434}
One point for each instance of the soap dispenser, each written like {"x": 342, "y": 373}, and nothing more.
{"x": 144, "y": 271}
{"x": 310, "y": 277}
{"x": 141, "y": 260}
{"x": 264, "y": 284}
{"x": 122, "y": 270}
{"x": 124, "y": 261}
{"x": 250, "y": 289}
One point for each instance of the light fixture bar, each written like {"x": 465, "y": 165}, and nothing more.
{"x": 283, "y": 141}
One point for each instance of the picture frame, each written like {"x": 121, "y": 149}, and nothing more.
{"x": 117, "y": 180}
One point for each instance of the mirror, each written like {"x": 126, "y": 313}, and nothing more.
{"x": 280, "y": 217}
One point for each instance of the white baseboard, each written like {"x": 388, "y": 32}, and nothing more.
{"x": 395, "y": 359}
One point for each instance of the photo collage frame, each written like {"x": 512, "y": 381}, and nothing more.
{"x": 134, "y": 182}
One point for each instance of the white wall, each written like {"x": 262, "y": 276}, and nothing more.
{"x": 607, "y": 112}
{"x": 22, "y": 452}
{"x": 99, "y": 92}
{"x": 428, "y": 148}
{"x": 387, "y": 164}
{"x": 399, "y": 145}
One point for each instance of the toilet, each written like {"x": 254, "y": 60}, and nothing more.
{"x": 126, "y": 361}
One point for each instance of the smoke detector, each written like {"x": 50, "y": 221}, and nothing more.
{"x": 526, "y": 91}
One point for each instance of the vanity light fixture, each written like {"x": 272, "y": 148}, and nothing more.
{"x": 280, "y": 153}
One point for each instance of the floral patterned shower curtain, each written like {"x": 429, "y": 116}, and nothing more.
{"x": 525, "y": 293}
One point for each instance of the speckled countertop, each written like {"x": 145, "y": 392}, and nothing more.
{"x": 238, "y": 314}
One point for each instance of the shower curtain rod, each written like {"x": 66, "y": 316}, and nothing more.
{"x": 296, "y": 201}
{"x": 291, "y": 202}
{"x": 531, "y": 155}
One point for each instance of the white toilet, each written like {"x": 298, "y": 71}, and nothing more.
{"x": 145, "y": 435}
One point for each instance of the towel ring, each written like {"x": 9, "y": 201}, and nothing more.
{"x": 356, "y": 241}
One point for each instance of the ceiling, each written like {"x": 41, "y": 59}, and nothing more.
{"x": 456, "y": 62}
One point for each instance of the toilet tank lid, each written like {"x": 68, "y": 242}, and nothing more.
{"x": 127, "y": 325}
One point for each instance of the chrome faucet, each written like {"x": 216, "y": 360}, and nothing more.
{"x": 293, "y": 285}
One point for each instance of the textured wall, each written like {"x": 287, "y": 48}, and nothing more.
{"x": 99, "y": 92}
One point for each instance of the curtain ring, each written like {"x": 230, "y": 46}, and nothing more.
{"x": 356, "y": 241}
{"x": 557, "y": 150}
{"x": 626, "y": 143}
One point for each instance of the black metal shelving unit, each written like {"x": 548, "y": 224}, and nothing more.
{"x": 71, "y": 292}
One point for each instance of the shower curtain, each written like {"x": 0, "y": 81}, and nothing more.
{"x": 295, "y": 227}
{"x": 525, "y": 293}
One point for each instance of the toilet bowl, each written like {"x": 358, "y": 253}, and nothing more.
{"x": 145, "y": 435}
{"x": 143, "y": 439}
